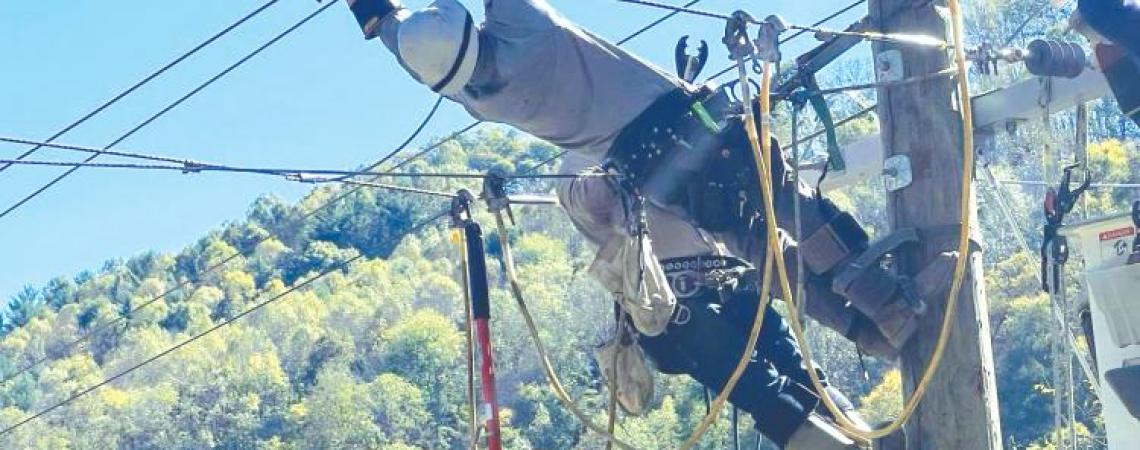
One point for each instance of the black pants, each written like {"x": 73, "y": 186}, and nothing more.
{"x": 706, "y": 341}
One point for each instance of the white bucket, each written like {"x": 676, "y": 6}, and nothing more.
{"x": 1117, "y": 290}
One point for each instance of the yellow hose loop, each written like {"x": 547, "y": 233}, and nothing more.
{"x": 757, "y": 323}
{"x": 544, "y": 357}
{"x": 763, "y": 161}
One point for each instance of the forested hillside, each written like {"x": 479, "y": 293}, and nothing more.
{"x": 372, "y": 355}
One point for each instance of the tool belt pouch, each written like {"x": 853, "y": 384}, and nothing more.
{"x": 688, "y": 150}
{"x": 626, "y": 373}
{"x": 629, "y": 262}
{"x": 837, "y": 241}
{"x": 727, "y": 193}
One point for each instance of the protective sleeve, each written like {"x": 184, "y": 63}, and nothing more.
{"x": 593, "y": 206}
{"x": 1117, "y": 20}
{"x": 390, "y": 29}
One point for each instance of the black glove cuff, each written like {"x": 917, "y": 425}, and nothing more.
{"x": 369, "y": 13}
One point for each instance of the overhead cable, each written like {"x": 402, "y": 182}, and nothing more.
{"x": 332, "y": 268}
{"x": 897, "y": 38}
{"x": 146, "y": 80}
{"x": 292, "y": 173}
{"x": 92, "y": 331}
{"x": 170, "y": 107}
{"x": 336, "y": 199}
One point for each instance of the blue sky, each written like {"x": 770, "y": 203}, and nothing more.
{"x": 322, "y": 97}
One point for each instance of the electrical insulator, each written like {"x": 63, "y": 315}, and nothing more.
{"x": 1049, "y": 58}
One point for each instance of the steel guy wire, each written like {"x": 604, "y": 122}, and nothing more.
{"x": 170, "y": 107}
{"x": 146, "y": 80}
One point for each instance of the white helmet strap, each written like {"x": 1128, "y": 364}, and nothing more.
{"x": 467, "y": 26}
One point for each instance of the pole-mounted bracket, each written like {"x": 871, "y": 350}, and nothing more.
{"x": 889, "y": 66}
{"x": 897, "y": 173}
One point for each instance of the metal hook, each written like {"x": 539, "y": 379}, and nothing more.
{"x": 689, "y": 67}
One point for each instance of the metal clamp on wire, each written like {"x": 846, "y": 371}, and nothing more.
{"x": 495, "y": 193}
{"x": 736, "y": 39}
{"x": 768, "y": 39}
{"x": 460, "y": 211}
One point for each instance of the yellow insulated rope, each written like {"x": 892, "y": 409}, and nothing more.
{"x": 763, "y": 162}
{"x": 544, "y": 357}
{"x": 758, "y": 322}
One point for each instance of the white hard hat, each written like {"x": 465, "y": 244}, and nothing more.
{"x": 440, "y": 44}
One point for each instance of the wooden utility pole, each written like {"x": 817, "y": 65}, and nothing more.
{"x": 921, "y": 121}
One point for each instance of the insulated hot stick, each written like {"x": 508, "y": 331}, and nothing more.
{"x": 481, "y": 311}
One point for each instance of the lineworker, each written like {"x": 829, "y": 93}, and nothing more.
{"x": 1117, "y": 21}
{"x": 529, "y": 67}
{"x": 1113, "y": 26}
{"x": 692, "y": 304}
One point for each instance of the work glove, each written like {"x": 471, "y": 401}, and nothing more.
{"x": 369, "y": 14}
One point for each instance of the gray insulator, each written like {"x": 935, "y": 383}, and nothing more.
{"x": 1049, "y": 58}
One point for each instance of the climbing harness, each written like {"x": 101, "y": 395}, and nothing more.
{"x": 479, "y": 292}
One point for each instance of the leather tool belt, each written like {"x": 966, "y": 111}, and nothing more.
{"x": 689, "y": 150}
{"x": 704, "y": 278}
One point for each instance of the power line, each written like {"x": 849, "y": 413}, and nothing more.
{"x": 292, "y": 173}
{"x": 333, "y": 268}
{"x": 80, "y": 149}
{"x": 824, "y": 20}
{"x": 167, "y": 109}
{"x": 1092, "y": 185}
{"x": 70, "y": 347}
{"x": 419, "y": 129}
{"x": 655, "y": 23}
{"x": 799, "y": 33}
{"x": 897, "y": 38}
{"x": 146, "y": 80}
{"x": 336, "y": 199}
